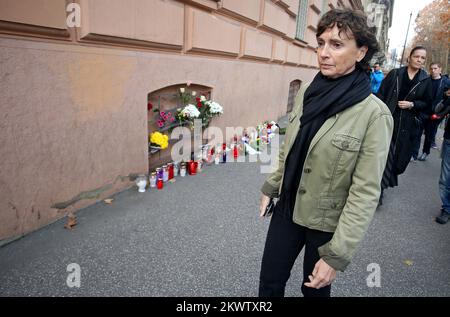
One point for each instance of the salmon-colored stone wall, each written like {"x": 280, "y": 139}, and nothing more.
{"x": 47, "y": 13}
{"x": 135, "y": 19}
{"x": 257, "y": 44}
{"x": 274, "y": 17}
{"x": 73, "y": 118}
{"x": 250, "y": 9}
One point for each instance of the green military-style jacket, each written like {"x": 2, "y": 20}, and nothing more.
{"x": 340, "y": 182}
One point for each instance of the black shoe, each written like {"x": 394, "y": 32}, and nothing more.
{"x": 443, "y": 218}
{"x": 423, "y": 157}
{"x": 413, "y": 159}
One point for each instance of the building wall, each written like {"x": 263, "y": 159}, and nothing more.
{"x": 383, "y": 22}
{"x": 74, "y": 100}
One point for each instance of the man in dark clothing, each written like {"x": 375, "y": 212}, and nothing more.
{"x": 407, "y": 93}
{"x": 443, "y": 108}
{"x": 429, "y": 120}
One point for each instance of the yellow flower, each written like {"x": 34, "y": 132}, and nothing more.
{"x": 159, "y": 139}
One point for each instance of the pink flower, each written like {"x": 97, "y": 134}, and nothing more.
{"x": 172, "y": 119}
{"x": 160, "y": 123}
{"x": 162, "y": 113}
{"x": 169, "y": 114}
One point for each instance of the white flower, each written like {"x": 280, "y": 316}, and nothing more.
{"x": 214, "y": 107}
{"x": 182, "y": 90}
{"x": 191, "y": 111}
{"x": 202, "y": 98}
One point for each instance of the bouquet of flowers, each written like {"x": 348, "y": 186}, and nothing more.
{"x": 193, "y": 107}
{"x": 214, "y": 108}
{"x": 159, "y": 140}
{"x": 165, "y": 118}
{"x": 187, "y": 114}
{"x": 208, "y": 109}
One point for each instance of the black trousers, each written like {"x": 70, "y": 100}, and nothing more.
{"x": 418, "y": 138}
{"x": 429, "y": 127}
{"x": 284, "y": 241}
{"x": 433, "y": 129}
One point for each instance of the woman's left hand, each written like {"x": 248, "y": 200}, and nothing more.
{"x": 322, "y": 275}
{"x": 262, "y": 206}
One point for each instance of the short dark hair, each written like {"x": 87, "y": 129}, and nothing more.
{"x": 416, "y": 48}
{"x": 354, "y": 22}
{"x": 436, "y": 63}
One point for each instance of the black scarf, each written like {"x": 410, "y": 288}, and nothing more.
{"x": 323, "y": 99}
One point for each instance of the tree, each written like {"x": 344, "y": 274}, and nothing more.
{"x": 433, "y": 32}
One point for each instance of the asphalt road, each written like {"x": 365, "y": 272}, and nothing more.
{"x": 201, "y": 236}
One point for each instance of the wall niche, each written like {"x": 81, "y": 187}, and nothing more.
{"x": 162, "y": 105}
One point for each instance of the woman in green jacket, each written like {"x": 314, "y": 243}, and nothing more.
{"x": 330, "y": 164}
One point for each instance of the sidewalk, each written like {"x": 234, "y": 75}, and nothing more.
{"x": 201, "y": 236}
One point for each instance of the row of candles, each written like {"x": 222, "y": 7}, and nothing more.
{"x": 167, "y": 172}
{"x": 171, "y": 170}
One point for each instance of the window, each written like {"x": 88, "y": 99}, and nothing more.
{"x": 294, "y": 87}
{"x": 301, "y": 20}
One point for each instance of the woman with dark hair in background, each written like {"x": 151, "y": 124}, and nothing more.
{"x": 407, "y": 93}
{"x": 331, "y": 162}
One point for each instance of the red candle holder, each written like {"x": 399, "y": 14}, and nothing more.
{"x": 160, "y": 183}
{"x": 170, "y": 170}
{"x": 235, "y": 151}
{"x": 192, "y": 167}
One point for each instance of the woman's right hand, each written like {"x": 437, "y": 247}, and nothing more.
{"x": 264, "y": 202}
{"x": 405, "y": 104}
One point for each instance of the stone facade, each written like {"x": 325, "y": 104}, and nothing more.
{"x": 74, "y": 118}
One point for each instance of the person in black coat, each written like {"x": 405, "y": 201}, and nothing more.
{"x": 407, "y": 93}
{"x": 443, "y": 109}
{"x": 440, "y": 84}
